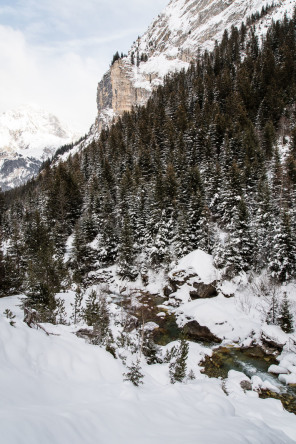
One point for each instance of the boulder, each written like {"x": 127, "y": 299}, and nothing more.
{"x": 200, "y": 289}
{"x": 167, "y": 291}
{"x": 197, "y": 332}
{"x": 246, "y": 385}
{"x": 273, "y": 337}
{"x": 203, "y": 291}
{"x": 180, "y": 278}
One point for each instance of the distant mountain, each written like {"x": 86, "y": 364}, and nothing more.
{"x": 171, "y": 42}
{"x": 28, "y": 136}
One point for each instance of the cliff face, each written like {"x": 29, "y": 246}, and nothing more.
{"x": 117, "y": 93}
{"x": 169, "y": 44}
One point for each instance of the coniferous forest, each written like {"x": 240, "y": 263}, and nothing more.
{"x": 209, "y": 163}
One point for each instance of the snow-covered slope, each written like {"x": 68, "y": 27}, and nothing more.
{"x": 57, "y": 389}
{"x": 170, "y": 43}
{"x": 28, "y": 135}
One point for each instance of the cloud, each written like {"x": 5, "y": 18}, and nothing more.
{"x": 54, "y": 52}
{"x": 64, "y": 84}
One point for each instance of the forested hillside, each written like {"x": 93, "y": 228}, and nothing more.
{"x": 209, "y": 163}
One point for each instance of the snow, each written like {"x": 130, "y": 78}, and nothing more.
{"x": 277, "y": 369}
{"x": 274, "y": 333}
{"x": 258, "y": 384}
{"x": 288, "y": 379}
{"x": 222, "y": 316}
{"x": 33, "y": 132}
{"x": 200, "y": 263}
{"x": 57, "y": 389}
{"x": 28, "y": 136}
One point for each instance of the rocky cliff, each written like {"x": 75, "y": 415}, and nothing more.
{"x": 170, "y": 43}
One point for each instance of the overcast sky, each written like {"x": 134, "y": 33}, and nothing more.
{"x": 54, "y": 52}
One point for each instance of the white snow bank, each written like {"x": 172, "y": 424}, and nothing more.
{"x": 233, "y": 383}
{"x": 277, "y": 369}
{"x": 222, "y": 316}
{"x": 288, "y": 379}
{"x": 58, "y": 389}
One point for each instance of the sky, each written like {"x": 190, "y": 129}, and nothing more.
{"x": 53, "y": 53}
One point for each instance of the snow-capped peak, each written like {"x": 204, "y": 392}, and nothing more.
{"x": 32, "y": 132}
{"x": 28, "y": 135}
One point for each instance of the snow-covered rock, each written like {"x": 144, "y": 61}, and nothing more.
{"x": 28, "y": 136}
{"x": 277, "y": 369}
{"x": 199, "y": 263}
{"x": 274, "y": 336}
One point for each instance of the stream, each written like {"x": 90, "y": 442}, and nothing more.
{"x": 251, "y": 361}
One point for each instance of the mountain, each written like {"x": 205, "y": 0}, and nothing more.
{"x": 208, "y": 163}
{"x": 28, "y": 136}
{"x": 171, "y": 42}
{"x": 169, "y": 243}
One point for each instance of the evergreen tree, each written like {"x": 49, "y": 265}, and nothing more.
{"x": 285, "y": 316}
{"x": 282, "y": 265}
{"x": 96, "y": 314}
{"x": 60, "y": 312}
{"x": 150, "y": 350}
{"x": 91, "y": 311}
{"x": 202, "y": 152}
{"x": 127, "y": 252}
{"x": 177, "y": 368}
{"x": 273, "y": 311}
{"x": 134, "y": 374}
{"x": 77, "y": 313}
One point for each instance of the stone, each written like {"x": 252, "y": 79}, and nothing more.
{"x": 85, "y": 333}
{"x": 246, "y": 385}
{"x": 167, "y": 291}
{"x": 203, "y": 291}
{"x": 126, "y": 85}
{"x": 180, "y": 278}
{"x": 270, "y": 342}
{"x": 197, "y": 332}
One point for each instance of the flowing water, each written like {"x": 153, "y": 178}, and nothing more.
{"x": 250, "y": 361}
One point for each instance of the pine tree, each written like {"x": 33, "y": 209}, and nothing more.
{"x": 82, "y": 256}
{"x": 285, "y": 316}
{"x": 134, "y": 374}
{"x": 160, "y": 251}
{"x": 102, "y": 324}
{"x": 91, "y": 311}
{"x": 150, "y": 350}
{"x": 177, "y": 368}
{"x": 282, "y": 265}
{"x": 273, "y": 311}
{"x": 76, "y": 306}
{"x": 96, "y": 314}
{"x": 60, "y": 312}
{"x": 269, "y": 137}
{"x": 127, "y": 252}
